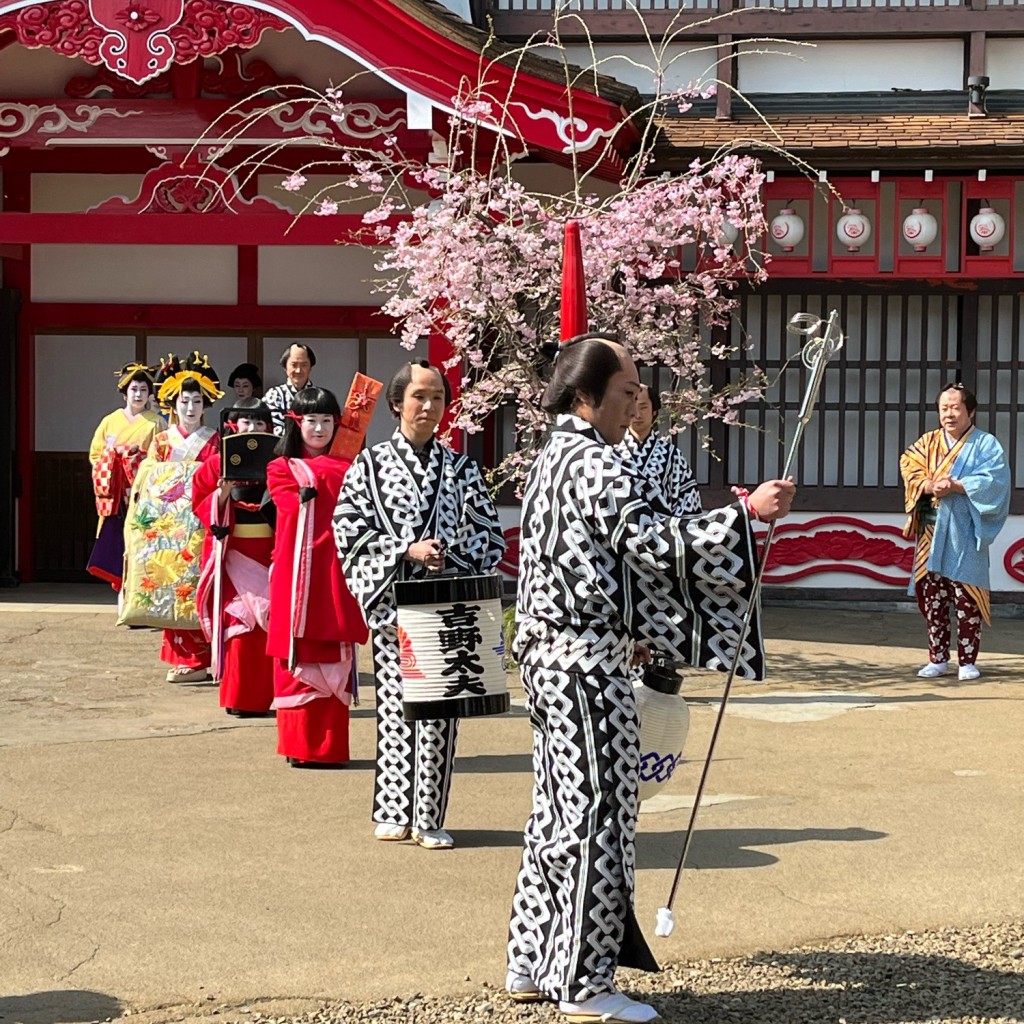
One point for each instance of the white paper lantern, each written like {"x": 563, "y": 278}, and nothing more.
{"x": 728, "y": 234}
{"x": 664, "y": 723}
{"x": 853, "y": 229}
{"x": 987, "y": 228}
{"x": 920, "y": 229}
{"x": 452, "y": 647}
{"x": 787, "y": 228}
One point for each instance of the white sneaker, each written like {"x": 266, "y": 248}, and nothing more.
{"x": 934, "y": 669}
{"x": 391, "y": 833}
{"x": 433, "y": 838}
{"x": 609, "y": 1006}
{"x": 968, "y": 672}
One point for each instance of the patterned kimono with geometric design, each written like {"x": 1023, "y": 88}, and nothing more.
{"x": 954, "y": 533}
{"x": 600, "y": 570}
{"x": 662, "y": 464}
{"x": 391, "y": 498}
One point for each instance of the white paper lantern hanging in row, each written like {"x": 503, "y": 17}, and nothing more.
{"x": 920, "y": 228}
{"x": 853, "y": 229}
{"x": 987, "y": 229}
{"x": 787, "y": 228}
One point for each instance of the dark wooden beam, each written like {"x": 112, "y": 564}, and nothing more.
{"x": 863, "y": 22}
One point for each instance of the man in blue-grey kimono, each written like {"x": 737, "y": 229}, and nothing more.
{"x": 601, "y": 571}
{"x": 958, "y": 496}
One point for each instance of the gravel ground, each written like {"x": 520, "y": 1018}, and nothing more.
{"x": 949, "y": 976}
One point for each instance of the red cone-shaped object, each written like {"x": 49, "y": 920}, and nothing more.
{"x": 574, "y": 288}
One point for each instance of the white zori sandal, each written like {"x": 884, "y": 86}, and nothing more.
{"x": 391, "y": 833}
{"x": 522, "y": 989}
{"x": 609, "y": 1008}
{"x": 432, "y": 838}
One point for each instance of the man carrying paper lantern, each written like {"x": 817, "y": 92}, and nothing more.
{"x": 602, "y": 570}
{"x": 410, "y": 508}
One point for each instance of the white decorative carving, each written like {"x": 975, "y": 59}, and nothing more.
{"x": 562, "y": 125}
{"x": 360, "y": 120}
{"x": 21, "y": 118}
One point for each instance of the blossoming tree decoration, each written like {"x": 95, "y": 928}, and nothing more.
{"x": 468, "y": 251}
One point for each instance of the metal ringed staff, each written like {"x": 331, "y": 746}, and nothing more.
{"x": 815, "y": 355}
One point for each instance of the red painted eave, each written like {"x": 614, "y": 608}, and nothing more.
{"x": 435, "y": 55}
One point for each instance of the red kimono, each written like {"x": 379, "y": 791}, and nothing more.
{"x": 314, "y": 620}
{"x": 245, "y": 670}
{"x": 184, "y": 647}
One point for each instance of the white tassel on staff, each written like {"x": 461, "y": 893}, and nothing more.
{"x": 815, "y": 356}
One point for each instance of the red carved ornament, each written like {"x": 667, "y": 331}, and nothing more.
{"x": 139, "y": 39}
{"x": 818, "y": 546}
{"x": 1013, "y": 561}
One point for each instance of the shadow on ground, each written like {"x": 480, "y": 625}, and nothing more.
{"x": 858, "y": 988}
{"x": 711, "y": 848}
{"x": 59, "y": 1006}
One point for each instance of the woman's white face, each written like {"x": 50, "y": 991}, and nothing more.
{"x": 317, "y": 430}
{"x": 137, "y": 396}
{"x": 189, "y": 408}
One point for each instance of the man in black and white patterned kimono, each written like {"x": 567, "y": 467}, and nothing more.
{"x": 297, "y": 361}
{"x": 410, "y": 508}
{"x": 658, "y": 460}
{"x": 602, "y": 572}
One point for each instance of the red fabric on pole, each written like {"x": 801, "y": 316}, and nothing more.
{"x": 574, "y": 287}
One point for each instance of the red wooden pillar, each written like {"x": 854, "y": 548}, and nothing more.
{"x": 18, "y": 275}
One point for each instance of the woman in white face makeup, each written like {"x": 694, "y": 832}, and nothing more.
{"x": 118, "y": 446}
{"x": 162, "y": 535}
{"x": 314, "y": 622}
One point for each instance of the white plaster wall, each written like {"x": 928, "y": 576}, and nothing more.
{"x": 76, "y": 387}
{"x": 177, "y": 274}
{"x": 39, "y": 72}
{"x": 324, "y": 186}
{"x": 298, "y": 275}
{"x": 1004, "y": 62}
{"x": 853, "y": 66}
{"x": 552, "y": 180}
{"x": 637, "y": 64}
{"x": 74, "y": 193}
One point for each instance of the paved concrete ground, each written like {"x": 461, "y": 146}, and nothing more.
{"x": 159, "y": 858}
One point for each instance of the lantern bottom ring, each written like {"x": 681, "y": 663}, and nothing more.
{"x": 460, "y": 707}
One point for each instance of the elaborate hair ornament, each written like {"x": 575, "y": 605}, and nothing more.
{"x": 173, "y": 375}
{"x": 129, "y": 370}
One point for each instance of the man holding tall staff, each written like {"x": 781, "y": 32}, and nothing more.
{"x": 601, "y": 571}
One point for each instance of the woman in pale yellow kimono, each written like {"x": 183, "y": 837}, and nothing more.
{"x": 118, "y": 446}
